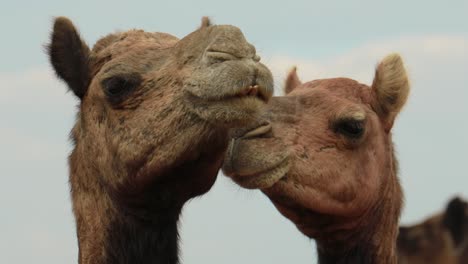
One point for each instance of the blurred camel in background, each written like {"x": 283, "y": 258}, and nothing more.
{"x": 440, "y": 239}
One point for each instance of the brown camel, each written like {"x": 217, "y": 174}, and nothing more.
{"x": 151, "y": 131}
{"x": 440, "y": 239}
{"x": 323, "y": 154}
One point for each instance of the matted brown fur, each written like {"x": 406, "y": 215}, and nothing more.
{"x": 323, "y": 154}
{"x": 151, "y": 130}
{"x": 440, "y": 239}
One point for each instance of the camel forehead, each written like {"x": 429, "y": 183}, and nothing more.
{"x": 324, "y": 90}
{"x": 224, "y": 38}
{"x": 118, "y": 45}
{"x": 226, "y": 32}
{"x": 132, "y": 40}
{"x": 229, "y": 38}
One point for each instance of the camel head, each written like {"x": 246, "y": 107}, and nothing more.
{"x": 442, "y": 238}
{"x": 323, "y": 153}
{"x": 151, "y": 103}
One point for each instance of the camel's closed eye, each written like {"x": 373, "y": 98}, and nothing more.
{"x": 219, "y": 56}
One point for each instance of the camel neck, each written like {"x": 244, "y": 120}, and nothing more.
{"x": 373, "y": 241}
{"x": 133, "y": 240}
{"x": 120, "y": 235}
{"x": 363, "y": 254}
{"x": 124, "y": 228}
{"x": 124, "y": 219}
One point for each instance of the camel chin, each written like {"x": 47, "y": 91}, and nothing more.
{"x": 263, "y": 179}
{"x": 258, "y": 170}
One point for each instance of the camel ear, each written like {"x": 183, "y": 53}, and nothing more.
{"x": 69, "y": 56}
{"x": 390, "y": 88}
{"x": 455, "y": 219}
{"x": 292, "y": 81}
{"x": 205, "y": 22}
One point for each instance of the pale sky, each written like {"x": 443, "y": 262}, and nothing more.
{"x": 230, "y": 225}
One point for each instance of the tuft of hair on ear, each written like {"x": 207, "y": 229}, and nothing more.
{"x": 292, "y": 80}
{"x": 206, "y": 22}
{"x": 391, "y": 88}
{"x": 69, "y": 56}
{"x": 455, "y": 219}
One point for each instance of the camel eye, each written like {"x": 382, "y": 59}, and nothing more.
{"x": 218, "y": 56}
{"x": 350, "y": 127}
{"x": 118, "y": 87}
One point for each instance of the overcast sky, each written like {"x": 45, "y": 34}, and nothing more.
{"x": 230, "y": 225}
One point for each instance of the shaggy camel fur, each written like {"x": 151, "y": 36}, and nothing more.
{"x": 323, "y": 154}
{"x": 440, "y": 239}
{"x": 151, "y": 131}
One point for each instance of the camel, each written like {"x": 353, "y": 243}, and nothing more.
{"x": 323, "y": 154}
{"x": 151, "y": 130}
{"x": 440, "y": 239}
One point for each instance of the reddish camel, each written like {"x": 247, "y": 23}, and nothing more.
{"x": 323, "y": 154}
{"x": 151, "y": 130}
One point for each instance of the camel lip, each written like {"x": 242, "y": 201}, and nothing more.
{"x": 249, "y": 180}
{"x": 257, "y": 131}
{"x": 258, "y": 128}
{"x": 253, "y": 90}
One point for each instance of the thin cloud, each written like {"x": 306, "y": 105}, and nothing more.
{"x": 359, "y": 63}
